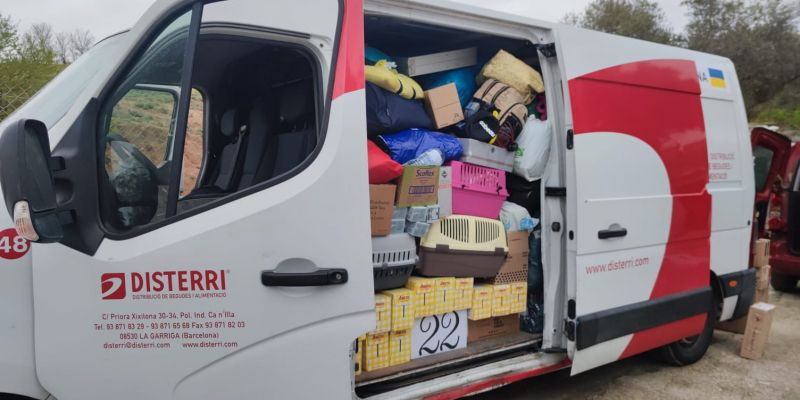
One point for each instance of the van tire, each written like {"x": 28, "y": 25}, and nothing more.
{"x": 690, "y": 350}
{"x": 783, "y": 283}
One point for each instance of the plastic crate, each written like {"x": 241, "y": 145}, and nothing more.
{"x": 463, "y": 246}
{"x": 393, "y": 260}
{"x": 487, "y": 155}
{"x": 478, "y": 191}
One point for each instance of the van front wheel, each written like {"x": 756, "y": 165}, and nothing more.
{"x": 690, "y": 350}
{"x": 783, "y": 283}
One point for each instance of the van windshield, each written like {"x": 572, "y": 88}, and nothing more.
{"x": 54, "y": 100}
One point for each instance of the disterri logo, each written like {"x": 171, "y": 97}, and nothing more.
{"x": 112, "y": 285}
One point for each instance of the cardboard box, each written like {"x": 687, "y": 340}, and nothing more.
{"x": 515, "y": 268}
{"x": 445, "y": 295}
{"x": 418, "y": 186}
{"x": 519, "y": 296}
{"x": 376, "y": 351}
{"x": 399, "y": 347}
{"x": 381, "y": 200}
{"x": 762, "y": 277}
{"x": 481, "y": 302}
{"x": 733, "y": 326}
{"x": 462, "y": 297}
{"x": 383, "y": 313}
{"x": 437, "y": 62}
{"x": 501, "y": 300}
{"x": 445, "y": 191}
{"x": 358, "y": 354}
{"x": 492, "y": 327}
{"x": 761, "y": 253}
{"x": 424, "y": 296}
{"x": 762, "y": 296}
{"x": 759, "y": 320}
{"x": 402, "y": 308}
{"x": 444, "y": 106}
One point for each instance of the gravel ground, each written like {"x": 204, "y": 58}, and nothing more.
{"x": 721, "y": 374}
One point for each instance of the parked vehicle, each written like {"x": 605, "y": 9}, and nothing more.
{"x": 777, "y": 192}
{"x": 196, "y": 192}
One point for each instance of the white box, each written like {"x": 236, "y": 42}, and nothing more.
{"x": 437, "y": 62}
{"x": 445, "y": 192}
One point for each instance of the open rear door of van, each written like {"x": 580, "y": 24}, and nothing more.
{"x": 639, "y": 215}
{"x": 771, "y": 152}
{"x": 259, "y": 294}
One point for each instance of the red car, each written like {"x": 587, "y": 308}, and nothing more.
{"x": 778, "y": 203}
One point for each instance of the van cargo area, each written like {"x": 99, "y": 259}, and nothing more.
{"x": 490, "y": 339}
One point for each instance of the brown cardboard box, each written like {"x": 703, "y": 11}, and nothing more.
{"x": 515, "y": 268}
{"x": 381, "y": 198}
{"x": 762, "y": 296}
{"x": 759, "y": 320}
{"x": 733, "y": 326}
{"x": 492, "y": 327}
{"x": 761, "y": 253}
{"x": 418, "y": 186}
{"x": 762, "y": 277}
{"x": 444, "y": 106}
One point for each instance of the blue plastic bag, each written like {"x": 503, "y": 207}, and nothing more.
{"x": 464, "y": 78}
{"x": 407, "y": 145}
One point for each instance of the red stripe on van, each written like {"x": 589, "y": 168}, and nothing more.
{"x": 350, "y": 59}
{"x": 658, "y": 102}
{"x": 496, "y": 382}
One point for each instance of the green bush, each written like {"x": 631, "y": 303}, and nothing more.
{"x": 19, "y": 81}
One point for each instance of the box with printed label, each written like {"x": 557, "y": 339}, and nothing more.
{"x": 376, "y": 351}
{"x": 481, "y": 302}
{"x": 445, "y": 294}
{"x": 423, "y": 294}
{"x": 402, "y": 308}
{"x": 383, "y": 313}
{"x": 381, "y": 200}
{"x": 762, "y": 277}
{"x": 462, "y": 297}
{"x": 492, "y": 327}
{"x": 519, "y": 296}
{"x": 515, "y": 267}
{"x": 759, "y": 320}
{"x": 761, "y": 253}
{"x": 418, "y": 186}
{"x": 358, "y": 354}
{"x": 445, "y": 191}
{"x": 501, "y": 300}
{"x": 444, "y": 106}
{"x": 399, "y": 346}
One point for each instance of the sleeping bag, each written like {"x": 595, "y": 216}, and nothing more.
{"x": 388, "y": 112}
{"x": 411, "y": 143}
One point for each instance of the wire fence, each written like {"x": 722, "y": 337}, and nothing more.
{"x": 20, "y": 81}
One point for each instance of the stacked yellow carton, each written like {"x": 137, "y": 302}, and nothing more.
{"x": 358, "y": 354}
{"x": 519, "y": 297}
{"x": 481, "y": 302}
{"x": 445, "y": 295}
{"x": 501, "y": 300}
{"x": 383, "y": 313}
{"x": 402, "y": 301}
{"x": 423, "y": 294}
{"x": 462, "y": 298}
{"x": 376, "y": 351}
{"x": 399, "y": 347}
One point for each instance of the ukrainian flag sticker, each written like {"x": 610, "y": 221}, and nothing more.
{"x": 717, "y": 78}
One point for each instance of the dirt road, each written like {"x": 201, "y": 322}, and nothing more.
{"x": 721, "y": 374}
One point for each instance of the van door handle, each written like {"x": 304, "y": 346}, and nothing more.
{"x": 613, "y": 231}
{"x": 321, "y": 277}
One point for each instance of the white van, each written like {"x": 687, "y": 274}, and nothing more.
{"x": 235, "y": 263}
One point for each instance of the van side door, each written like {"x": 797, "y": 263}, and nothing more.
{"x": 639, "y": 215}
{"x": 771, "y": 152}
{"x": 255, "y": 288}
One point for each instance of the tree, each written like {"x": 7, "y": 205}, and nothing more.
{"x": 761, "y": 38}
{"x": 62, "y": 48}
{"x": 36, "y": 44}
{"x": 8, "y": 38}
{"x": 81, "y": 41}
{"x": 641, "y": 19}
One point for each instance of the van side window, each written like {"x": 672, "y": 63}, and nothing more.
{"x": 253, "y": 116}
{"x": 763, "y": 161}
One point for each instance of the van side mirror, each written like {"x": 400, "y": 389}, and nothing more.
{"x": 27, "y": 181}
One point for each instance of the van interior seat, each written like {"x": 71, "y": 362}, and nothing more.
{"x": 233, "y": 132}
{"x": 263, "y": 122}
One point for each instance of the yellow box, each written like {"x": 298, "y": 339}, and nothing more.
{"x": 424, "y": 296}
{"x": 462, "y": 298}
{"x": 481, "y": 302}
{"x": 519, "y": 296}
{"x": 445, "y": 295}
{"x": 402, "y": 308}
{"x": 501, "y": 300}
{"x": 376, "y": 351}
{"x": 358, "y": 354}
{"x": 399, "y": 347}
{"x": 383, "y": 313}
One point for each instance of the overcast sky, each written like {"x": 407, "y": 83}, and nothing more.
{"x": 104, "y": 17}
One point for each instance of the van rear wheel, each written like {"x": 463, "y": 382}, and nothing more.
{"x": 690, "y": 350}
{"x": 783, "y": 283}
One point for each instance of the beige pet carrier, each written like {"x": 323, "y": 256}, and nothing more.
{"x": 463, "y": 246}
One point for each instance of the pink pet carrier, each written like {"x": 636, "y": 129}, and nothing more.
{"x": 478, "y": 191}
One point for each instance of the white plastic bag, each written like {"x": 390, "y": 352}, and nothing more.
{"x": 516, "y": 218}
{"x": 533, "y": 149}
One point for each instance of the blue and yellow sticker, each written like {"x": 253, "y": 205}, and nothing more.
{"x": 716, "y": 78}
